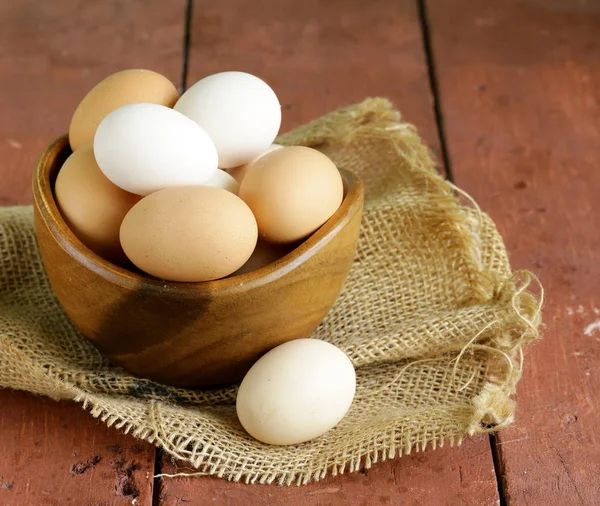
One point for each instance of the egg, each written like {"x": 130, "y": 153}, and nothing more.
{"x": 189, "y": 233}
{"x": 222, "y": 179}
{"x": 296, "y": 392}
{"x": 239, "y": 172}
{"x": 292, "y": 192}
{"x": 121, "y": 88}
{"x": 91, "y": 205}
{"x": 239, "y": 111}
{"x": 265, "y": 253}
{"x": 143, "y": 148}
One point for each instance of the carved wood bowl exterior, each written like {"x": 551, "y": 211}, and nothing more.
{"x": 192, "y": 334}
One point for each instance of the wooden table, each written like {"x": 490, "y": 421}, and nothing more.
{"x": 507, "y": 94}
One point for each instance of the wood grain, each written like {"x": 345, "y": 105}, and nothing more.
{"x": 51, "y": 54}
{"x": 55, "y": 454}
{"x": 318, "y": 56}
{"x": 183, "y": 334}
{"x": 443, "y": 477}
{"x": 521, "y": 102}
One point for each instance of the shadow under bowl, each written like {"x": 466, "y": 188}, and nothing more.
{"x": 192, "y": 334}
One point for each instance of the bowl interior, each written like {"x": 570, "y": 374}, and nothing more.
{"x": 45, "y": 177}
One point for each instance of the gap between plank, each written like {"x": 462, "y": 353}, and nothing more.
{"x": 433, "y": 85}
{"x": 439, "y": 119}
{"x": 497, "y": 458}
{"x": 156, "y": 482}
{"x": 187, "y": 36}
{"x": 187, "y": 23}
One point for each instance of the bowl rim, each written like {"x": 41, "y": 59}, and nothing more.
{"x": 43, "y": 198}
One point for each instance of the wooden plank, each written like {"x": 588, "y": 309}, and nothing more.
{"x": 56, "y": 454}
{"x": 446, "y": 476}
{"x": 319, "y": 56}
{"x": 51, "y": 54}
{"x": 520, "y": 101}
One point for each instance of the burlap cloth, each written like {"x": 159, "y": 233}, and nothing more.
{"x": 431, "y": 316}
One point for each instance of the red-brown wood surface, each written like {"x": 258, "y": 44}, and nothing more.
{"x": 520, "y": 103}
{"x": 446, "y": 476}
{"x": 319, "y": 56}
{"x": 55, "y": 454}
{"x": 520, "y": 100}
{"x": 51, "y": 54}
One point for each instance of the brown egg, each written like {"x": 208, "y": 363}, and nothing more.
{"x": 239, "y": 172}
{"x": 292, "y": 192}
{"x": 189, "y": 233}
{"x": 122, "y": 88}
{"x": 264, "y": 253}
{"x": 91, "y": 205}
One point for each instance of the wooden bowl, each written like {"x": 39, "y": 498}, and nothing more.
{"x": 192, "y": 334}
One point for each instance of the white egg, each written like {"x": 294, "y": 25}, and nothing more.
{"x": 296, "y": 392}
{"x": 239, "y": 111}
{"x": 221, "y": 179}
{"x": 144, "y": 147}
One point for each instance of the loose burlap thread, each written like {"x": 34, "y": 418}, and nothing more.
{"x": 431, "y": 316}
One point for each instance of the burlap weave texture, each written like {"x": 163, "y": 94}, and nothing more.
{"x": 431, "y": 316}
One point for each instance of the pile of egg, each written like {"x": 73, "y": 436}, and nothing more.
{"x": 190, "y": 188}
{"x": 193, "y": 189}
